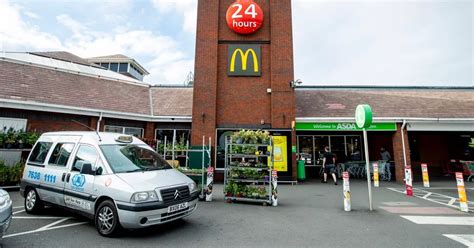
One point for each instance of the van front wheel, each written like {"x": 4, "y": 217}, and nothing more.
{"x": 106, "y": 219}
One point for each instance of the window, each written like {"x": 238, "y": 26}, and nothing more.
{"x": 133, "y": 158}
{"x": 38, "y": 155}
{"x": 114, "y": 67}
{"x": 61, "y": 154}
{"x": 345, "y": 147}
{"x": 306, "y": 151}
{"x": 135, "y": 131}
{"x": 85, "y": 154}
{"x": 180, "y": 137}
{"x": 105, "y": 65}
{"x": 123, "y": 67}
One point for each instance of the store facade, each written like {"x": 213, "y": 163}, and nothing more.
{"x": 242, "y": 81}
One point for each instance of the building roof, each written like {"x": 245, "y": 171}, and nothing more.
{"x": 65, "y": 56}
{"x": 172, "y": 101}
{"x": 118, "y": 58}
{"x": 64, "y": 65}
{"x": 51, "y": 84}
{"x": 386, "y": 102}
{"x": 28, "y": 83}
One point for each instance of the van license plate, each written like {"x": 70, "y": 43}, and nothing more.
{"x": 177, "y": 207}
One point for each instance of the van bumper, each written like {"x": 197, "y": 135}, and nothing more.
{"x": 132, "y": 216}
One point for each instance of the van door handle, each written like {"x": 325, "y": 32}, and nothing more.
{"x": 62, "y": 178}
{"x": 67, "y": 177}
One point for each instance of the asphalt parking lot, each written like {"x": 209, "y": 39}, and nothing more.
{"x": 309, "y": 214}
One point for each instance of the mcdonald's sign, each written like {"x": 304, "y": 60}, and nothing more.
{"x": 244, "y": 60}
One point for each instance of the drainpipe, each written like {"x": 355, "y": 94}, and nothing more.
{"x": 403, "y": 143}
{"x": 98, "y": 122}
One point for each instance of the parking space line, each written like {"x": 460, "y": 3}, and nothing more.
{"x": 68, "y": 225}
{"x": 465, "y": 239}
{"x": 427, "y": 195}
{"x": 37, "y": 217}
{"x": 48, "y": 227}
{"x": 17, "y": 207}
{"x": 452, "y": 201}
{"x": 440, "y": 220}
{"x": 20, "y": 211}
{"x": 54, "y": 223}
{"x": 435, "y": 197}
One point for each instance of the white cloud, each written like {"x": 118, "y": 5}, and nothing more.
{"x": 162, "y": 58}
{"x": 159, "y": 54}
{"x": 31, "y": 15}
{"x": 18, "y": 35}
{"x": 185, "y": 8}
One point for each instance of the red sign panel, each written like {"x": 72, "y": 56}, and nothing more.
{"x": 244, "y": 17}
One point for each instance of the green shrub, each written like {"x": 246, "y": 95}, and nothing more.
{"x": 11, "y": 175}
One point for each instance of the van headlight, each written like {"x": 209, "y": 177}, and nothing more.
{"x": 193, "y": 187}
{"x": 4, "y": 199}
{"x": 146, "y": 196}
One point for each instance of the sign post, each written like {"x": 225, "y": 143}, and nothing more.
{"x": 408, "y": 181}
{"x": 462, "y": 192}
{"x": 376, "y": 174}
{"x": 363, "y": 117}
{"x": 274, "y": 188}
{"x": 209, "y": 183}
{"x": 424, "y": 171}
{"x": 347, "y": 191}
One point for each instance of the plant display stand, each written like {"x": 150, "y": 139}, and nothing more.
{"x": 248, "y": 172}
{"x": 198, "y": 175}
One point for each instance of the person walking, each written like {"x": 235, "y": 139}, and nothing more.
{"x": 385, "y": 155}
{"x": 329, "y": 162}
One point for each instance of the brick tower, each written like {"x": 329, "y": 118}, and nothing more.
{"x": 243, "y": 80}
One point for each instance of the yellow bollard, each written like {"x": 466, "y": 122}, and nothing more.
{"x": 376, "y": 174}
{"x": 424, "y": 171}
{"x": 462, "y": 192}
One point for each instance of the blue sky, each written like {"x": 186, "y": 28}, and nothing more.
{"x": 426, "y": 42}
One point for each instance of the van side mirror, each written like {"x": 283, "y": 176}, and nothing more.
{"x": 87, "y": 169}
{"x": 99, "y": 171}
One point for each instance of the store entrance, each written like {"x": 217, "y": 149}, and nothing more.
{"x": 348, "y": 149}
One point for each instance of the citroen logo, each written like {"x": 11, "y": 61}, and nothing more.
{"x": 176, "y": 195}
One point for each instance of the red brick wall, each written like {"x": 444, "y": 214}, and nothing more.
{"x": 205, "y": 72}
{"x": 398, "y": 153}
{"x": 223, "y": 101}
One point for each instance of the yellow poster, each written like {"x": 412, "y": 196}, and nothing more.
{"x": 280, "y": 160}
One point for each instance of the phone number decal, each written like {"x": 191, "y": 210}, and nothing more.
{"x": 34, "y": 175}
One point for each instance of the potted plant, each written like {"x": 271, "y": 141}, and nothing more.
{"x": 21, "y": 139}
{"x": 10, "y": 138}
{"x": 2, "y": 140}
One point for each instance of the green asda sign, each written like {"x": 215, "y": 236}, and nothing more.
{"x": 343, "y": 126}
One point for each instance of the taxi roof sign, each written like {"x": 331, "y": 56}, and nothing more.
{"x": 124, "y": 139}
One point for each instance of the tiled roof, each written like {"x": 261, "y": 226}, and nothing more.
{"x": 424, "y": 103}
{"x": 115, "y": 56}
{"x": 65, "y": 56}
{"x": 172, "y": 101}
{"x": 35, "y": 84}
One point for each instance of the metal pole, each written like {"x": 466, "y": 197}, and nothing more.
{"x": 403, "y": 143}
{"x": 366, "y": 146}
{"x": 164, "y": 148}
{"x": 187, "y": 153}
{"x": 174, "y": 141}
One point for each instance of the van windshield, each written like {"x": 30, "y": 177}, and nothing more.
{"x": 133, "y": 158}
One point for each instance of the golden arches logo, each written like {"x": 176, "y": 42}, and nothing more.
{"x": 244, "y": 57}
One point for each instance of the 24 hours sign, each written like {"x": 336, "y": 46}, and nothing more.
{"x": 244, "y": 17}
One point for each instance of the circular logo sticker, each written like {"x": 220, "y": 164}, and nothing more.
{"x": 244, "y": 17}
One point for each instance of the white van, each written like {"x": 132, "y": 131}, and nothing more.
{"x": 115, "y": 179}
